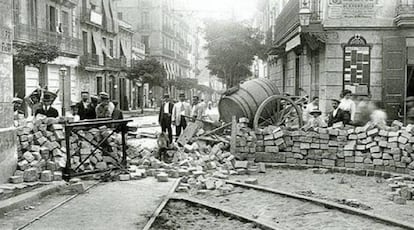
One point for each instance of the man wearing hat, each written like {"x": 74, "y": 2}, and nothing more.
{"x": 46, "y": 108}
{"x": 105, "y": 108}
{"x": 33, "y": 101}
{"x": 17, "y": 107}
{"x": 337, "y": 115}
{"x": 180, "y": 108}
{"x": 85, "y": 109}
{"x": 315, "y": 121}
{"x": 165, "y": 115}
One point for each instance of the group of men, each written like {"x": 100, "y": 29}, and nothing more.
{"x": 177, "y": 113}
{"x": 357, "y": 111}
{"x": 90, "y": 107}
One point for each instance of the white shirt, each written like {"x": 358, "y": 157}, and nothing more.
{"x": 167, "y": 107}
{"x": 181, "y": 108}
{"x": 335, "y": 112}
{"x": 85, "y": 104}
{"x": 348, "y": 105}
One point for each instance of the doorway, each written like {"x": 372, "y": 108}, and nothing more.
{"x": 409, "y": 105}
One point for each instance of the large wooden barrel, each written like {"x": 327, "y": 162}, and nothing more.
{"x": 246, "y": 100}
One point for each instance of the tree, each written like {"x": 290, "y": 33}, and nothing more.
{"x": 34, "y": 54}
{"x": 232, "y": 47}
{"x": 148, "y": 71}
{"x": 182, "y": 83}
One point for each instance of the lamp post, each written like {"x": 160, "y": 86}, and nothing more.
{"x": 305, "y": 13}
{"x": 62, "y": 72}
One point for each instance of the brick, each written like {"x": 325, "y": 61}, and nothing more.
{"x": 30, "y": 175}
{"x": 327, "y": 162}
{"x": 125, "y": 177}
{"x": 305, "y": 146}
{"x": 392, "y": 134}
{"x": 57, "y": 176}
{"x": 362, "y": 135}
{"x": 402, "y": 140}
{"x": 241, "y": 164}
{"x": 16, "y": 179}
{"x": 46, "y": 176}
{"x": 377, "y": 162}
{"x": 353, "y": 137}
{"x": 252, "y": 181}
{"x": 279, "y": 141}
{"x": 375, "y": 149}
{"x": 162, "y": 177}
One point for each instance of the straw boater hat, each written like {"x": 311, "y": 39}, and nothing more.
{"x": 104, "y": 95}
{"x": 49, "y": 96}
{"x": 17, "y": 100}
{"x": 316, "y": 111}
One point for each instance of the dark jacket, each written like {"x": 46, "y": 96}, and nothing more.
{"x": 51, "y": 112}
{"x": 162, "y": 116}
{"x": 341, "y": 115}
{"x": 117, "y": 115}
{"x": 86, "y": 113}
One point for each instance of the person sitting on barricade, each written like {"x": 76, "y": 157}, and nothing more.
{"x": 105, "y": 108}
{"x": 315, "y": 121}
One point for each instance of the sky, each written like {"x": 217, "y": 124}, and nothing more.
{"x": 223, "y": 9}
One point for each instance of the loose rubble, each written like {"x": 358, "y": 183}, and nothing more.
{"x": 401, "y": 190}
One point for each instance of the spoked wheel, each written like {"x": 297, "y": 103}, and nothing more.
{"x": 278, "y": 111}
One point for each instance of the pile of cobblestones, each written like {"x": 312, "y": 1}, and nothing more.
{"x": 42, "y": 150}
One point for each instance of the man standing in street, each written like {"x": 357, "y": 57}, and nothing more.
{"x": 181, "y": 108}
{"x": 105, "y": 108}
{"x": 85, "y": 109}
{"x": 164, "y": 117}
{"x": 197, "y": 109}
{"x": 47, "y": 109}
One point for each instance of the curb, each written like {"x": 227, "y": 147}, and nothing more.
{"x": 29, "y": 197}
{"x": 335, "y": 169}
{"x": 340, "y": 207}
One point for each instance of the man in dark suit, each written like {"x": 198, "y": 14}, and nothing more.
{"x": 47, "y": 109}
{"x": 165, "y": 115}
{"x": 85, "y": 109}
{"x": 337, "y": 115}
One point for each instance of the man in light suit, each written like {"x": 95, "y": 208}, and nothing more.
{"x": 180, "y": 108}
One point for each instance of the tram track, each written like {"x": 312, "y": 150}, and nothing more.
{"x": 274, "y": 209}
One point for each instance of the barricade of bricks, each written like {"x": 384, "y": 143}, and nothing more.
{"x": 369, "y": 147}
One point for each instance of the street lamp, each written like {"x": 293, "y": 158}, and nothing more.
{"x": 62, "y": 72}
{"x": 305, "y": 13}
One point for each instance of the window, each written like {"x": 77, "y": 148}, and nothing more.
{"x": 64, "y": 27}
{"x": 145, "y": 40}
{"x": 99, "y": 84}
{"x": 111, "y": 47}
{"x": 33, "y": 13}
{"x": 52, "y": 18}
{"x": 85, "y": 41}
{"x": 357, "y": 56}
{"x": 145, "y": 20}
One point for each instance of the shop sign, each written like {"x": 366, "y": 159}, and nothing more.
{"x": 353, "y": 8}
{"x": 6, "y": 40}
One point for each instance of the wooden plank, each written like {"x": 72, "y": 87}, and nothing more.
{"x": 233, "y": 135}
{"x": 189, "y": 132}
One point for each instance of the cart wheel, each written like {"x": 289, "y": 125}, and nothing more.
{"x": 278, "y": 111}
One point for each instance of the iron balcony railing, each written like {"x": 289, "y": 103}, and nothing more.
{"x": 168, "y": 52}
{"x": 405, "y": 8}
{"x": 89, "y": 60}
{"x": 66, "y": 44}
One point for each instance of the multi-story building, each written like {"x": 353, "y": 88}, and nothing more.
{"x": 56, "y": 23}
{"x": 165, "y": 33}
{"x": 106, "y": 54}
{"x": 324, "y": 46}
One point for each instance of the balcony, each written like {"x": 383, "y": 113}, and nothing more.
{"x": 184, "y": 62}
{"x": 405, "y": 14}
{"x": 89, "y": 60}
{"x": 168, "y": 52}
{"x": 112, "y": 62}
{"x": 66, "y": 44}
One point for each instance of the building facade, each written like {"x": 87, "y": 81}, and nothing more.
{"x": 364, "y": 46}
{"x": 165, "y": 32}
{"x": 107, "y": 51}
{"x": 55, "y": 23}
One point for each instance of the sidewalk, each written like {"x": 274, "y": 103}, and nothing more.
{"x": 114, "y": 205}
{"x": 138, "y": 112}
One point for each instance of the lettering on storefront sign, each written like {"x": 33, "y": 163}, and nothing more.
{"x": 5, "y": 40}
{"x": 353, "y": 8}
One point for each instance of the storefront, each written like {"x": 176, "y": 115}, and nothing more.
{"x": 365, "y": 47}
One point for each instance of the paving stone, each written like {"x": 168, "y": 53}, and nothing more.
{"x": 252, "y": 181}
{"x": 16, "y": 179}
{"x": 46, "y": 176}
{"x": 30, "y": 175}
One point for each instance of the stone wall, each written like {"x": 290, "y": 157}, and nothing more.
{"x": 371, "y": 148}
{"x": 8, "y": 153}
